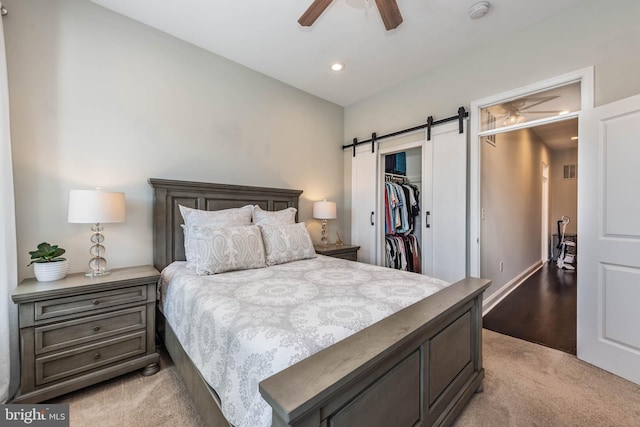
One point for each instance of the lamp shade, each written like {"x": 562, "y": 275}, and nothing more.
{"x": 324, "y": 210}
{"x": 96, "y": 206}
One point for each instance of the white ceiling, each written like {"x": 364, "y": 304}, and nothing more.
{"x": 265, "y": 36}
{"x": 557, "y": 135}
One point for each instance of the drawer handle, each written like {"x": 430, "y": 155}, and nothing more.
{"x": 96, "y": 328}
{"x": 96, "y": 301}
{"x": 96, "y": 356}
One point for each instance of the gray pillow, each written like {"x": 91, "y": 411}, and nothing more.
{"x": 282, "y": 217}
{"x": 224, "y": 218}
{"x": 285, "y": 243}
{"x": 225, "y": 249}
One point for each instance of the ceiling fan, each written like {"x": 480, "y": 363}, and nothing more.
{"x": 512, "y": 111}
{"x": 388, "y": 11}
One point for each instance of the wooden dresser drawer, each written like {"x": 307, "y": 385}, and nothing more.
{"x": 75, "y": 332}
{"x": 64, "y": 364}
{"x": 53, "y": 308}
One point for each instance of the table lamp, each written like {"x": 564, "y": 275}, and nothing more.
{"x": 324, "y": 210}
{"x": 96, "y": 207}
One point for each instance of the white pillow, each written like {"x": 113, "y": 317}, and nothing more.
{"x": 281, "y": 217}
{"x": 235, "y": 217}
{"x": 284, "y": 243}
{"x": 225, "y": 249}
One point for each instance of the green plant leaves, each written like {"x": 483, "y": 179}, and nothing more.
{"x": 47, "y": 253}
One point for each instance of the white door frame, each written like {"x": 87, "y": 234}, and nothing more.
{"x": 585, "y": 76}
{"x": 544, "y": 232}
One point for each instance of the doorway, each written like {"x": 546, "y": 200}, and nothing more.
{"x": 480, "y": 132}
{"x": 523, "y": 194}
{"x": 493, "y": 119}
{"x": 401, "y": 193}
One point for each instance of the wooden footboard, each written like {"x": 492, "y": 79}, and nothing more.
{"x": 419, "y": 366}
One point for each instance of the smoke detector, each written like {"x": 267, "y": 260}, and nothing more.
{"x": 479, "y": 9}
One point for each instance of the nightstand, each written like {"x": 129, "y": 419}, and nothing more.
{"x": 83, "y": 330}
{"x": 339, "y": 251}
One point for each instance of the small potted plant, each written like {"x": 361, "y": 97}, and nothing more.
{"x": 48, "y": 263}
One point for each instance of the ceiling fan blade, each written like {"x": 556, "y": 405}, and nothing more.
{"x": 532, "y": 101}
{"x": 313, "y": 12}
{"x": 390, "y": 13}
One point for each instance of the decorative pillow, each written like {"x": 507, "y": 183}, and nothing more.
{"x": 224, "y": 218}
{"x": 225, "y": 249}
{"x": 281, "y": 217}
{"x": 284, "y": 243}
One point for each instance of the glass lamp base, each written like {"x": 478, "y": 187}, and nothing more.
{"x": 97, "y": 274}
{"x": 324, "y": 241}
{"x": 97, "y": 264}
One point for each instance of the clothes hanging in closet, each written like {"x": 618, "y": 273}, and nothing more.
{"x": 401, "y": 207}
{"x": 403, "y": 253}
{"x": 402, "y": 250}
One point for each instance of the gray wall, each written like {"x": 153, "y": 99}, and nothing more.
{"x": 603, "y": 34}
{"x": 98, "y": 99}
{"x": 564, "y": 192}
{"x": 511, "y": 196}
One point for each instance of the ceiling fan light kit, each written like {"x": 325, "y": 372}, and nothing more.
{"x": 515, "y": 119}
{"x": 478, "y": 10}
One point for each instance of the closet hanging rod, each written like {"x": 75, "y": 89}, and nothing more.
{"x": 392, "y": 177}
{"x": 462, "y": 114}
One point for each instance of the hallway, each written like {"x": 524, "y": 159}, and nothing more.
{"x": 542, "y": 310}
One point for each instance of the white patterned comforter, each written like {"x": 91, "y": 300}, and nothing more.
{"x": 241, "y": 327}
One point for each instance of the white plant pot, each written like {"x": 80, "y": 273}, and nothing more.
{"x": 49, "y": 271}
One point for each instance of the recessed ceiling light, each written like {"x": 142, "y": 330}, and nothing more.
{"x": 337, "y": 66}
{"x": 563, "y": 112}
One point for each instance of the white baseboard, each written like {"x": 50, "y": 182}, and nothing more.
{"x": 490, "y": 302}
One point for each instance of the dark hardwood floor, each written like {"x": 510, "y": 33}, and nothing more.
{"x": 542, "y": 310}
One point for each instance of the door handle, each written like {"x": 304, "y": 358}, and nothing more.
{"x": 371, "y": 218}
{"x": 426, "y": 219}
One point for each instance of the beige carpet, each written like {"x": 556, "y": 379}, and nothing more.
{"x": 134, "y": 400}
{"x": 525, "y": 385}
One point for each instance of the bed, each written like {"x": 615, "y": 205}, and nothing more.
{"x": 418, "y": 366}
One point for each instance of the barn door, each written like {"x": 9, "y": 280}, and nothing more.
{"x": 445, "y": 203}
{"x": 363, "y": 203}
{"x": 608, "y": 260}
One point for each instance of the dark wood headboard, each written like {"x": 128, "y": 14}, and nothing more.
{"x": 168, "y": 237}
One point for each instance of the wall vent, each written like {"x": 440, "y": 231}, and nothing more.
{"x": 569, "y": 172}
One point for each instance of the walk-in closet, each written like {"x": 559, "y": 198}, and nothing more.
{"x": 401, "y": 195}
